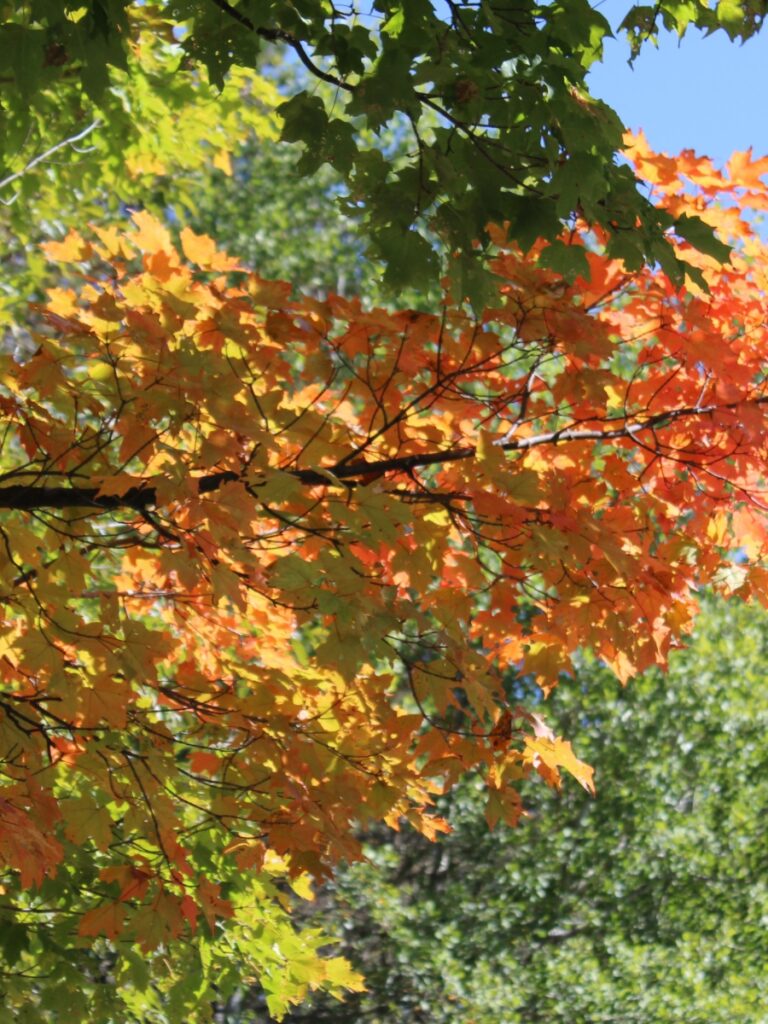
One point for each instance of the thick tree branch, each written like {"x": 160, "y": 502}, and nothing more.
{"x": 29, "y": 497}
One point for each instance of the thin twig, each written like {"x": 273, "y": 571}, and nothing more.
{"x": 274, "y": 35}
{"x": 49, "y": 152}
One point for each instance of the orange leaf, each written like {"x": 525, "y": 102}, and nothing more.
{"x": 106, "y": 919}
{"x": 211, "y": 903}
{"x": 151, "y": 235}
{"x": 72, "y": 249}
{"x": 550, "y": 755}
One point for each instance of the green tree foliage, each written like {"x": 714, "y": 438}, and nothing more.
{"x": 66, "y": 159}
{"x": 646, "y": 904}
{"x": 501, "y": 125}
{"x": 282, "y": 224}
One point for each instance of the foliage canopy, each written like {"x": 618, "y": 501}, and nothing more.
{"x": 268, "y": 563}
{"x": 493, "y": 101}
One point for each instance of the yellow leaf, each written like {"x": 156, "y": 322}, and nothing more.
{"x": 302, "y": 886}
{"x": 223, "y": 162}
{"x": 339, "y": 972}
{"x": 151, "y": 235}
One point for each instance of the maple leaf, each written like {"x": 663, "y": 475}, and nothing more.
{"x": 549, "y": 755}
{"x": 86, "y": 820}
{"x": 151, "y": 235}
{"x": 201, "y": 249}
{"x": 106, "y": 920}
{"x": 118, "y": 485}
{"x": 72, "y": 248}
{"x": 24, "y": 845}
{"x": 211, "y": 902}
{"x": 133, "y": 881}
{"x": 746, "y": 171}
{"x": 339, "y": 972}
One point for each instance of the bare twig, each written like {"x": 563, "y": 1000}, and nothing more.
{"x": 49, "y": 152}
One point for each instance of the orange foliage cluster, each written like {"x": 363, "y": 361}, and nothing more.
{"x": 268, "y": 564}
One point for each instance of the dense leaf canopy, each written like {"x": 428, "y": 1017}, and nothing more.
{"x": 267, "y": 564}
{"x": 493, "y": 102}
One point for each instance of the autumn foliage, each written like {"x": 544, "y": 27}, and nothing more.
{"x": 269, "y": 566}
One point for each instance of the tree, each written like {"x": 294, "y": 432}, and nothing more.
{"x": 266, "y": 564}
{"x": 291, "y": 227}
{"x": 494, "y": 102}
{"x": 645, "y": 904}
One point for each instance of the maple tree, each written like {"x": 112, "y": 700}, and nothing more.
{"x": 494, "y": 102}
{"x": 267, "y": 564}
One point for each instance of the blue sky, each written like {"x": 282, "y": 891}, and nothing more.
{"x": 702, "y": 93}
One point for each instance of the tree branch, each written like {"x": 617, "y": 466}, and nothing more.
{"x": 49, "y": 152}
{"x": 29, "y": 497}
{"x": 275, "y": 35}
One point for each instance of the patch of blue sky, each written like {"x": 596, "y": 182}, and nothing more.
{"x": 704, "y": 93}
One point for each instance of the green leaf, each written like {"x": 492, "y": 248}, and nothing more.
{"x": 730, "y": 14}
{"x": 304, "y": 118}
{"x": 568, "y": 260}
{"x": 702, "y": 237}
{"x": 21, "y": 50}
{"x": 410, "y": 258}
{"x": 393, "y": 26}
{"x": 14, "y": 940}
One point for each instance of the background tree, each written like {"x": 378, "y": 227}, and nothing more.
{"x": 645, "y": 904}
{"x": 293, "y": 227}
{"x": 289, "y": 227}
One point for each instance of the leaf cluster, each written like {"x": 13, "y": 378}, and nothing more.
{"x": 493, "y": 102}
